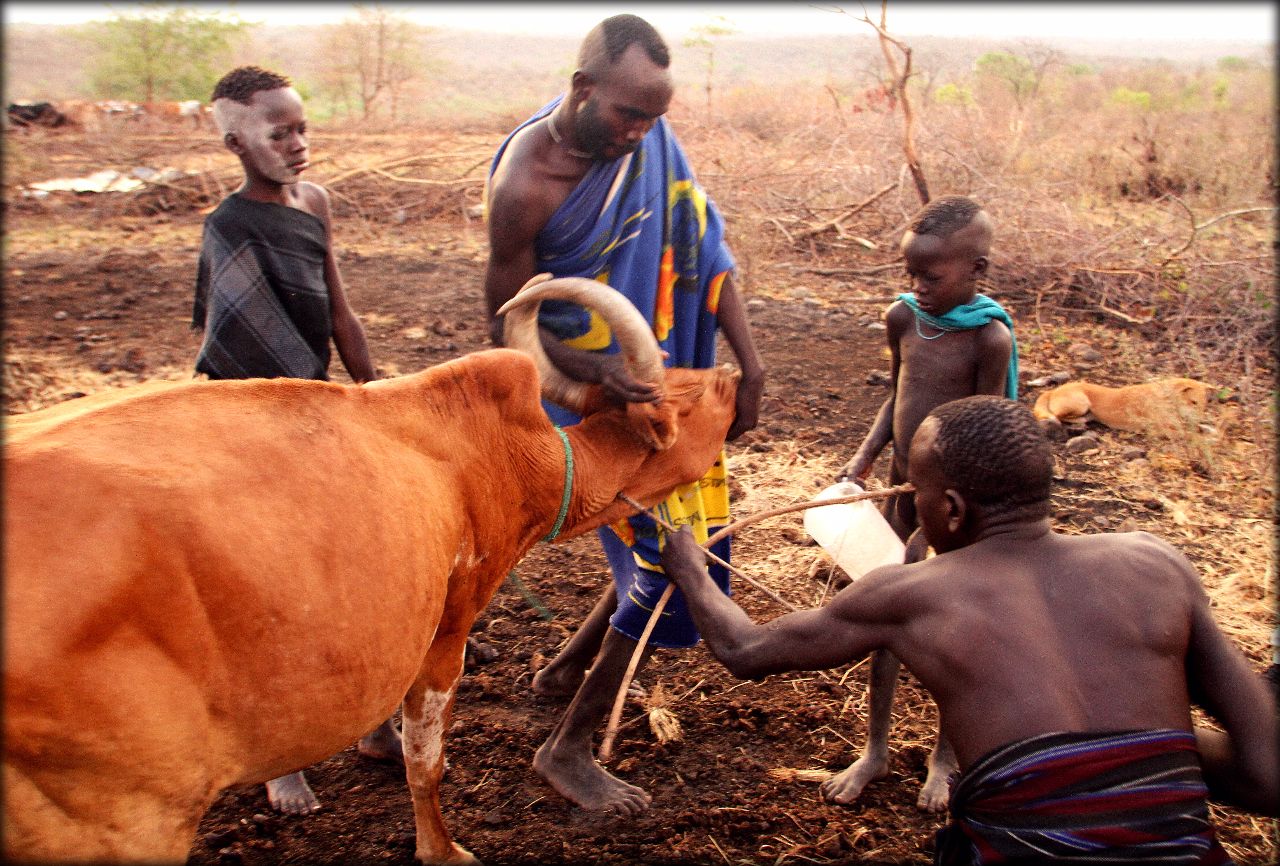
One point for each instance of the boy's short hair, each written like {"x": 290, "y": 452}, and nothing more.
{"x": 945, "y": 216}
{"x": 242, "y": 83}
{"x": 994, "y": 452}
{"x": 239, "y": 85}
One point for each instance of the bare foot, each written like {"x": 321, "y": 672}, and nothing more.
{"x": 579, "y": 779}
{"x": 557, "y": 682}
{"x": 936, "y": 793}
{"x": 383, "y": 743}
{"x": 846, "y": 786}
{"x": 561, "y": 687}
{"x": 478, "y": 653}
{"x": 292, "y": 795}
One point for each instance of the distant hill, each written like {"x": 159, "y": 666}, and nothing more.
{"x": 479, "y": 74}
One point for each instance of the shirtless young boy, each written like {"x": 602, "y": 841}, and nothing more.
{"x": 947, "y": 342}
{"x": 1064, "y": 667}
{"x": 269, "y": 296}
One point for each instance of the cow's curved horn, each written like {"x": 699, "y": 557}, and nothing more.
{"x": 640, "y": 352}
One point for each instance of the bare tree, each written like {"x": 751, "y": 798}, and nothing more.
{"x": 163, "y": 52}
{"x": 1022, "y": 74}
{"x": 899, "y": 76}
{"x": 376, "y": 53}
{"x": 705, "y": 36}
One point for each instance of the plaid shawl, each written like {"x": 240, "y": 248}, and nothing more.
{"x": 1088, "y": 798}
{"x": 261, "y": 297}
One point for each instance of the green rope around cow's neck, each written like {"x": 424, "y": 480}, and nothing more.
{"x": 568, "y": 485}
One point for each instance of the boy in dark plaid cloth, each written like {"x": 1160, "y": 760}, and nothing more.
{"x": 269, "y": 297}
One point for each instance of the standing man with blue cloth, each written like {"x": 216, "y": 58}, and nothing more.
{"x": 595, "y": 185}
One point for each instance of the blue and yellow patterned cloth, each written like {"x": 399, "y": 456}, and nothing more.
{"x": 643, "y": 225}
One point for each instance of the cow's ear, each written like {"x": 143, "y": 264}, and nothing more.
{"x": 654, "y": 424}
{"x": 687, "y": 396}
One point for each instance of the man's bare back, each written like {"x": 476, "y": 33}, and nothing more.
{"x": 1020, "y": 633}
{"x": 1056, "y": 607}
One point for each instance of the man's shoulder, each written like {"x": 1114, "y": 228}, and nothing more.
{"x": 314, "y": 199}
{"x": 1136, "y": 544}
{"x": 311, "y": 188}
{"x": 231, "y": 202}
{"x": 522, "y": 160}
{"x": 1139, "y": 555}
{"x": 226, "y": 214}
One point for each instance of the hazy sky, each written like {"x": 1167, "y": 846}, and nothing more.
{"x": 1251, "y": 22}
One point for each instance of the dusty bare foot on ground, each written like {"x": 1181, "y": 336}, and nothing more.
{"x": 846, "y": 786}
{"x": 557, "y": 683}
{"x": 291, "y": 795}
{"x": 583, "y": 781}
{"x": 382, "y": 744}
{"x": 936, "y": 793}
{"x": 478, "y": 653}
{"x": 560, "y": 686}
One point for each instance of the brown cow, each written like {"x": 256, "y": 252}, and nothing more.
{"x": 215, "y": 583}
{"x": 82, "y": 113}
{"x": 175, "y": 111}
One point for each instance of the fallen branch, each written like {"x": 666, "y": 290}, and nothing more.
{"x": 1196, "y": 228}
{"x": 835, "y": 222}
{"x": 1124, "y": 317}
{"x": 396, "y": 163}
{"x": 421, "y": 180}
{"x": 849, "y": 272}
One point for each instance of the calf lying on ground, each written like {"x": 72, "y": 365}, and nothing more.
{"x": 1163, "y": 406}
{"x": 215, "y": 583}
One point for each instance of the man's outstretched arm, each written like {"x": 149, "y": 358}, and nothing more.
{"x": 815, "y": 639}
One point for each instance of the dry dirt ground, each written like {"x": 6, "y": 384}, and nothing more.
{"x": 98, "y": 294}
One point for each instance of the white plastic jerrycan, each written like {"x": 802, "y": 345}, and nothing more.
{"x": 854, "y": 534}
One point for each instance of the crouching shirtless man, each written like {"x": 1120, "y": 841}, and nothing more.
{"x": 1064, "y": 667}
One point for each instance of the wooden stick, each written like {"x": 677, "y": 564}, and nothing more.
{"x": 812, "y": 503}
{"x": 615, "y": 717}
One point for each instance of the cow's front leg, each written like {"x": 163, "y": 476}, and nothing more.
{"x": 427, "y": 709}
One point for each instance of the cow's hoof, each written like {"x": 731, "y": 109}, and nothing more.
{"x": 458, "y": 856}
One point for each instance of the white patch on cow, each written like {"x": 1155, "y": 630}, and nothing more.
{"x": 424, "y": 741}
{"x": 466, "y": 559}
